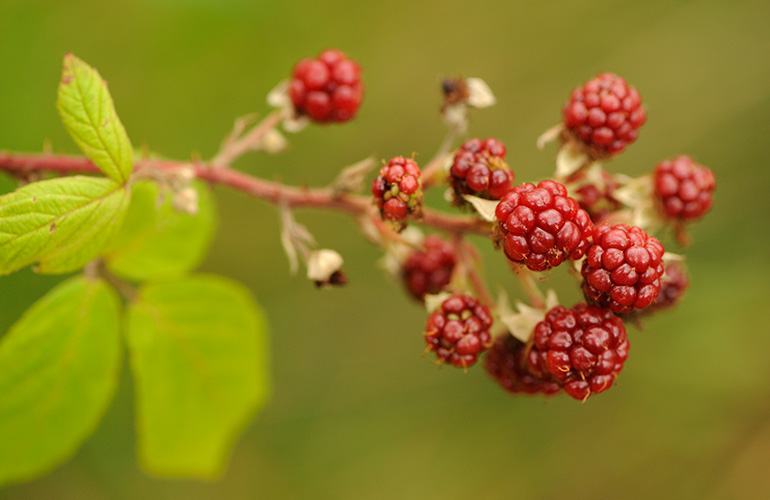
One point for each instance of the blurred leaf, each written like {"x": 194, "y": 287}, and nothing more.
{"x": 60, "y": 223}
{"x": 199, "y": 357}
{"x": 58, "y": 371}
{"x": 87, "y": 111}
{"x": 157, "y": 241}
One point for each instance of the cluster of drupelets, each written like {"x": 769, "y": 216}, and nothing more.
{"x": 596, "y": 222}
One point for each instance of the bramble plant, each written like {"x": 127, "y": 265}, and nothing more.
{"x": 133, "y": 228}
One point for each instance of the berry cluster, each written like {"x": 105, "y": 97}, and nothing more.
{"x": 604, "y": 115}
{"x": 580, "y": 350}
{"x": 429, "y": 270}
{"x": 684, "y": 188}
{"x": 458, "y": 331}
{"x": 327, "y": 88}
{"x": 398, "y": 190}
{"x": 541, "y": 226}
{"x": 479, "y": 169}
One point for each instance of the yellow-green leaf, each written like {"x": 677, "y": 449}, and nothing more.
{"x": 87, "y": 111}
{"x": 59, "y": 223}
{"x": 157, "y": 241}
{"x": 199, "y": 358}
{"x": 58, "y": 372}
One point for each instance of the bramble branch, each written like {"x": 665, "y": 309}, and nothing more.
{"x": 24, "y": 164}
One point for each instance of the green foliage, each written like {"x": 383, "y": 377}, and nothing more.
{"x": 157, "y": 241}
{"x": 58, "y": 372}
{"x": 198, "y": 354}
{"x": 87, "y": 111}
{"x": 60, "y": 223}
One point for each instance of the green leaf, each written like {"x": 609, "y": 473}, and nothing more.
{"x": 199, "y": 357}
{"x": 58, "y": 371}
{"x": 86, "y": 109}
{"x": 60, "y": 223}
{"x": 157, "y": 241}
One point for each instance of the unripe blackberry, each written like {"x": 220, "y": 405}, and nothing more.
{"x": 605, "y": 115}
{"x": 429, "y": 270}
{"x": 684, "y": 188}
{"x": 506, "y": 362}
{"x": 623, "y": 268}
{"x": 541, "y": 226}
{"x": 327, "y": 88}
{"x": 596, "y": 198}
{"x": 479, "y": 169}
{"x": 458, "y": 331}
{"x": 582, "y": 348}
{"x": 397, "y": 190}
{"x": 674, "y": 285}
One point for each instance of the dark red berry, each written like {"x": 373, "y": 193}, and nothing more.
{"x": 479, "y": 169}
{"x": 623, "y": 268}
{"x": 596, "y": 198}
{"x": 429, "y": 270}
{"x": 506, "y": 362}
{"x": 541, "y": 226}
{"x": 397, "y": 190}
{"x": 458, "y": 331}
{"x": 684, "y": 188}
{"x": 328, "y": 88}
{"x": 582, "y": 348}
{"x": 674, "y": 284}
{"x": 605, "y": 115}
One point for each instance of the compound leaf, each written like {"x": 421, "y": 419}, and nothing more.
{"x": 198, "y": 355}
{"x": 157, "y": 241}
{"x": 87, "y": 111}
{"x": 60, "y": 223}
{"x": 58, "y": 371}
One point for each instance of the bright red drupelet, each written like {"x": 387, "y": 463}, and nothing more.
{"x": 541, "y": 226}
{"x": 582, "y": 348}
{"x": 623, "y": 268}
{"x": 479, "y": 169}
{"x": 429, "y": 270}
{"x": 684, "y": 189}
{"x": 397, "y": 190}
{"x": 506, "y": 362}
{"x": 328, "y": 88}
{"x": 605, "y": 115}
{"x": 458, "y": 331}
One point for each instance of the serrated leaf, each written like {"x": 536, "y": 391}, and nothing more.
{"x": 199, "y": 358}
{"x": 157, "y": 241}
{"x": 87, "y": 111}
{"x": 59, "y": 223}
{"x": 485, "y": 208}
{"x": 58, "y": 371}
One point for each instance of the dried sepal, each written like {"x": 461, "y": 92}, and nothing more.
{"x": 549, "y": 136}
{"x": 521, "y": 322}
{"x": 434, "y": 301}
{"x": 279, "y": 98}
{"x": 570, "y": 158}
{"x": 353, "y": 178}
{"x": 485, "y": 208}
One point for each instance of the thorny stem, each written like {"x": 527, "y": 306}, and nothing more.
{"x": 273, "y": 192}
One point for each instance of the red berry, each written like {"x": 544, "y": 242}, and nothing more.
{"x": 623, "y": 268}
{"x": 674, "y": 284}
{"x": 684, "y": 188}
{"x": 506, "y": 362}
{"x": 541, "y": 226}
{"x": 429, "y": 270}
{"x": 458, "y": 331}
{"x": 583, "y": 349}
{"x": 328, "y": 88}
{"x": 397, "y": 190}
{"x": 596, "y": 198}
{"x": 479, "y": 169}
{"x": 604, "y": 114}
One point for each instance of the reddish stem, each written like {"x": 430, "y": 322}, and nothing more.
{"x": 22, "y": 164}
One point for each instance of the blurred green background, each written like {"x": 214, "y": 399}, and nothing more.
{"x": 357, "y": 413}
